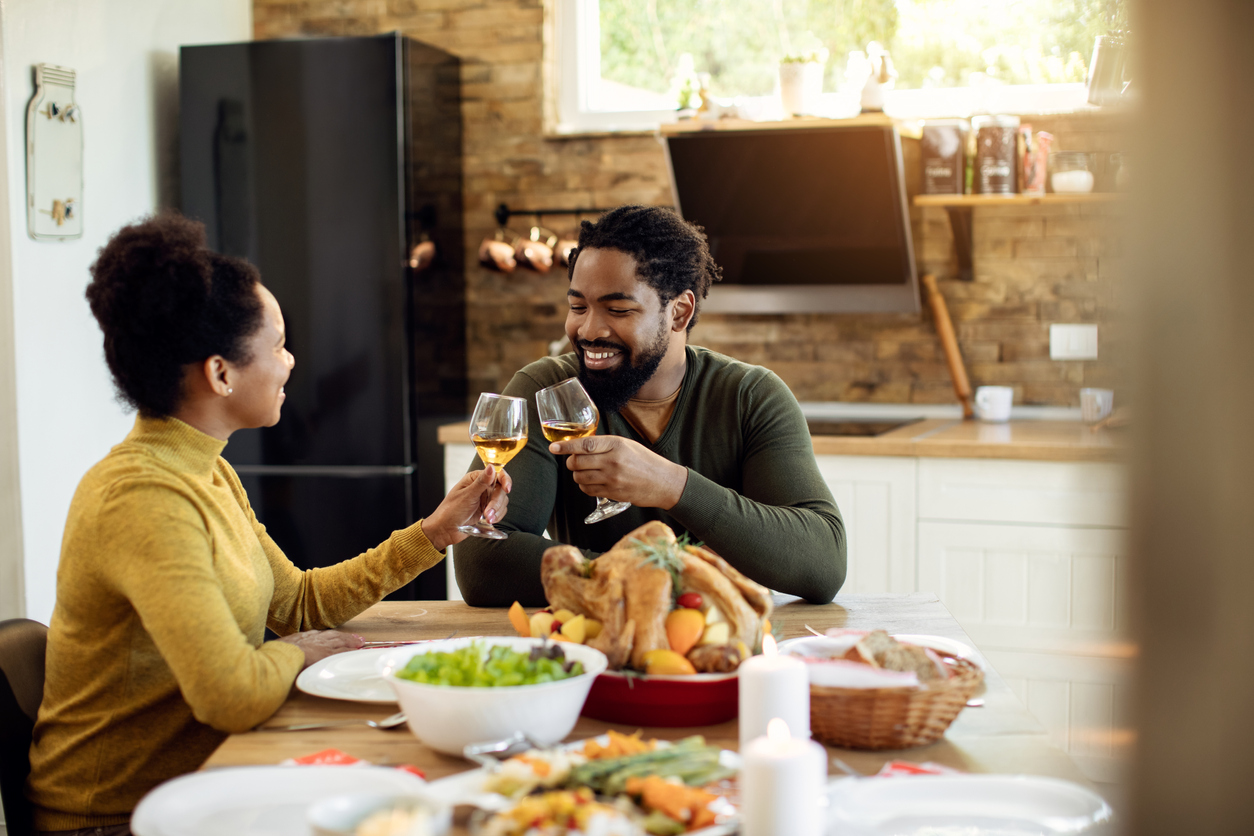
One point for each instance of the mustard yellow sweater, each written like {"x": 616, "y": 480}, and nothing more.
{"x": 155, "y": 653}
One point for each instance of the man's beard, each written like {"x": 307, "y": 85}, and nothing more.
{"x": 610, "y": 389}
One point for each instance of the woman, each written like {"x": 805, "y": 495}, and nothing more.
{"x": 167, "y": 581}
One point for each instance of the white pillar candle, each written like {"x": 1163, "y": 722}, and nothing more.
{"x": 772, "y": 685}
{"x": 781, "y": 782}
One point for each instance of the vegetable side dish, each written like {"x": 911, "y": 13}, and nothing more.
{"x": 667, "y": 790}
{"x": 500, "y": 666}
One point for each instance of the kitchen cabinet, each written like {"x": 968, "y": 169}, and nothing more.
{"x": 1082, "y": 701}
{"x": 457, "y": 459}
{"x": 1050, "y": 493}
{"x": 877, "y": 499}
{"x": 1024, "y": 587}
{"x": 1028, "y": 556}
{"x": 1031, "y": 559}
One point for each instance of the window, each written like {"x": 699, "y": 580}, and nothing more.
{"x": 622, "y": 64}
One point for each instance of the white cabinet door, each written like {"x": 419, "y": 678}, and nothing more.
{"x": 876, "y": 497}
{"x": 1081, "y": 700}
{"x": 457, "y": 459}
{"x": 995, "y": 490}
{"x": 1027, "y": 587}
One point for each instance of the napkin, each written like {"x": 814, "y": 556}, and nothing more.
{"x": 335, "y": 757}
{"x": 825, "y": 667}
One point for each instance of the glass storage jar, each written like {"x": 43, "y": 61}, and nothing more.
{"x": 1070, "y": 172}
{"x": 995, "y": 153}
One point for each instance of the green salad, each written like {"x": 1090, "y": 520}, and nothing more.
{"x": 471, "y": 667}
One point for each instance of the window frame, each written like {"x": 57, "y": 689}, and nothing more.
{"x": 577, "y": 43}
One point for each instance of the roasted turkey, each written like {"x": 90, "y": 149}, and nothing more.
{"x": 631, "y": 588}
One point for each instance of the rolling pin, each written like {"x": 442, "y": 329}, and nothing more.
{"x": 949, "y": 342}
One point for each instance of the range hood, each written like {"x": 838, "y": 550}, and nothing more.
{"x": 802, "y": 220}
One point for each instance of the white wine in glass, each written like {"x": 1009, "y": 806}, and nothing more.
{"x": 498, "y": 429}
{"x": 567, "y": 413}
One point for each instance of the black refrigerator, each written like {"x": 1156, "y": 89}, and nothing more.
{"x": 324, "y": 162}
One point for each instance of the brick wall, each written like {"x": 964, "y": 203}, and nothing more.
{"x": 1033, "y": 266}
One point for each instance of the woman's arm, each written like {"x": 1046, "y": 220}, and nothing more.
{"x": 316, "y": 599}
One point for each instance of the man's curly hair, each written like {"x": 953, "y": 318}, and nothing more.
{"x": 671, "y": 254}
{"x": 165, "y": 300}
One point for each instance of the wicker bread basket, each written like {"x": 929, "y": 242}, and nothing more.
{"x": 892, "y": 718}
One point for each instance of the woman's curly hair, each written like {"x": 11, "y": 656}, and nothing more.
{"x": 165, "y": 300}
{"x": 671, "y": 254}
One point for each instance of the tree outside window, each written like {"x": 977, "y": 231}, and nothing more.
{"x": 934, "y": 43}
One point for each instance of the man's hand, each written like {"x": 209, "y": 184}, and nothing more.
{"x": 319, "y": 644}
{"x": 624, "y": 470}
{"x": 479, "y": 492}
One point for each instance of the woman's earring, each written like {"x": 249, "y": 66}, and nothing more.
{"x": 229, "y": 391}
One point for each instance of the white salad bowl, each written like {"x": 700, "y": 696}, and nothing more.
{"x": 448, "y": 718}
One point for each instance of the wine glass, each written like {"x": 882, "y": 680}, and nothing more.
{"x": 566, "y": 413}
{"x": 498, "y": 429}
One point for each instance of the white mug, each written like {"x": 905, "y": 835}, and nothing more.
{"x": 1095, "y": 404}
{"x": 992, "y": 403}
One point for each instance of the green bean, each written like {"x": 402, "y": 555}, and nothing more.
{"x": 690, "y": 760}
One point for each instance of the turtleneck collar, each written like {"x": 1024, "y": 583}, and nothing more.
{"x": 177, "y": 443}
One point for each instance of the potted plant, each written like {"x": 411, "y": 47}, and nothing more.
{"x": 801, "y": 81}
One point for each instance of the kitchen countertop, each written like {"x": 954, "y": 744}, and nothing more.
{"x": 1031, "y": 440}
{"x": 1058, "y": 441}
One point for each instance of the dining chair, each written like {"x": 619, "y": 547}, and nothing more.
{"x": 22, "y": 645}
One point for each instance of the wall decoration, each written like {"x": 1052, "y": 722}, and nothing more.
{"x": 54, "y": 157}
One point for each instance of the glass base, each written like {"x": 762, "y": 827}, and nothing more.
{"x": 606, "y": 509}
{"x": 483, "y": 528}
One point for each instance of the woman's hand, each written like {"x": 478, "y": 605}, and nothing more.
{"x": 319, "y": 644}
{"x": 479, "y": 492}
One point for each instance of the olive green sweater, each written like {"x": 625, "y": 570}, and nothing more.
{"x": 754, "y": 492}
{"x": 166, "y": 584}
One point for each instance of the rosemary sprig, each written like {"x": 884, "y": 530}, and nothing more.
{"x": 666, "y": 556}
{"x": 663, "y": 555}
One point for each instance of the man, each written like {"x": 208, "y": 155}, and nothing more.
{"x": 702, "y": 442}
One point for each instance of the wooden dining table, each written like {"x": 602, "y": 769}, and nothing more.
{"x": 999, "y": 737}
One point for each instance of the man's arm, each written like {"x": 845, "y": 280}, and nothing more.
{"x": 784, "y": 530}
{"x": 495, "y": 573}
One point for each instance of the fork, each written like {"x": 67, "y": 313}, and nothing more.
{"x": 386, "y": 723}
{"x": 402, "y": 643}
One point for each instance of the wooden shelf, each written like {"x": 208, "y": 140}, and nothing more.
{"x": 1013, "y": 199}
{"x": 960, "y": 208}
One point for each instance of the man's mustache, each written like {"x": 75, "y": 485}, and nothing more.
{"x": 587, "y": 344}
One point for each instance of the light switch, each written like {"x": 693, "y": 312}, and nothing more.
{"x": 1073, "y": 342}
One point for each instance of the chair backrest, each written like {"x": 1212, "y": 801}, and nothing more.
{"x": 22, "y": 646}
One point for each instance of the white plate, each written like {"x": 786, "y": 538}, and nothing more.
{"x": 348, "y": 676}
{"x": 950, "y": 646}
{"x": 258, "y": 800}
{"x": 965, "y": 805}
{"x": 945, "y": 645}
{"x": 467, "y": 788}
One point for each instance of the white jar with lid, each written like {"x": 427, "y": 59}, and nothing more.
{"x": 1070, "y": 172}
